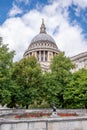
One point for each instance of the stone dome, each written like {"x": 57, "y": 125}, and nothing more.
{"x": 43, "y": 40}
{"x": 42, "y": 37}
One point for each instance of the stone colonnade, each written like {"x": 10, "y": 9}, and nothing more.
{"x": 43, "y": 55}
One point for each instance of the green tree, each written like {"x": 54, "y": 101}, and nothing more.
{"x": 55, "y": 82}
{"x": 61, "y": 69}
{"x": 76, "y": 91}
{"x": 27, "y": 74}
{"x": 49, "y": 90}
{"x": 6, "y": 61}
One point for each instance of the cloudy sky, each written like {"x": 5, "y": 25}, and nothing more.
{"x": 65, "y": 20}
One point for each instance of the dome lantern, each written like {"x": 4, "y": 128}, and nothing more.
{"x": 42, "y": 28}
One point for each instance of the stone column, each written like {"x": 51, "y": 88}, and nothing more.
{"x": 48, "y": 56}
{"x": 36, "y": 54}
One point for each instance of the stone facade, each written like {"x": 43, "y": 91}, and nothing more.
{"x": 80, "y": 61}
{"x": 43, "y": 47}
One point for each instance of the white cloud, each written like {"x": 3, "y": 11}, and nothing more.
{"x": 14, "y": 11}
{"x": 67, "y": 3}
{"x": 18, "y": 32}
{"x": 80, "y": 3}
{"x": 71, "y": 40}
{"x": 17, "y": 35}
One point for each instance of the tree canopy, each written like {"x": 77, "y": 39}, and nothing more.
{"x": 55, "y": 82}
{"x": 76, "y": 91}
{"x": 27, "y": 75}
{"x": 6, "y": 61}
{"x": 23, "y": 83}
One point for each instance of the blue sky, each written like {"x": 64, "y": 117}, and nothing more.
{"x": 6, "y": 5}
{"x": 65, "y": 20}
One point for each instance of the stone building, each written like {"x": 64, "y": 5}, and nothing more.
{"x": 43, "y": 47}
{"x": 80, "y": 61}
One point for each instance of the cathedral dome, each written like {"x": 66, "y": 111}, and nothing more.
{"x": 43, "y": 40}
{"x": 42, "y": 37}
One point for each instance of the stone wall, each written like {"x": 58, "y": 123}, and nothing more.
{"x": 51, "y": 123}
{"x": 69, "y": 123}
{"x": 8, "y": 111}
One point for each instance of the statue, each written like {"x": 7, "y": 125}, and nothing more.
{"x": 54, "y": 113}
{"x": 54, "y": 107}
